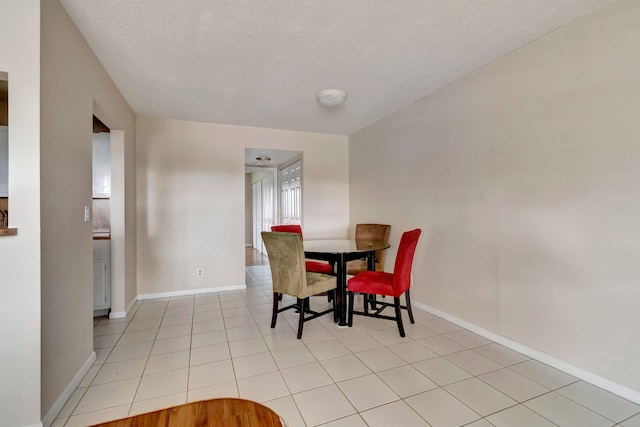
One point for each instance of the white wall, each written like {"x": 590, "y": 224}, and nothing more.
{"x": 191, "y": 198}
{"x": 524, "y": 178}
{"x": 20, "y": 255}
{"x": 74, "y": 85}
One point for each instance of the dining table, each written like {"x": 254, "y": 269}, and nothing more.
{"x": 222, "y": 412}
{"x": 338, "y": 252}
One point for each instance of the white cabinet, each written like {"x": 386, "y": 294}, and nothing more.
{"x": 101, "y": 165}
{"x": 4, "y": 161}
{"x": 101, "y": 276}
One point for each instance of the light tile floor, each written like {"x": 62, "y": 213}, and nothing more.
{"x": 183, "y": 349}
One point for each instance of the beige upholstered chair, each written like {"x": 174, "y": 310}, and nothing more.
{"x": 370, "y": 232}
{"x": 289, "y": 276}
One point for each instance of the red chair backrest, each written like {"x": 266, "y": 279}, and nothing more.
{"x": 404, "y": 261}
{"x": 288, "y": 228}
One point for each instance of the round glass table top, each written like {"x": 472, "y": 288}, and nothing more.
{"x": 343, "y": 245}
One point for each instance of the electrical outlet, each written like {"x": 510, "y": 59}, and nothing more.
{"x": 199, "y": 272}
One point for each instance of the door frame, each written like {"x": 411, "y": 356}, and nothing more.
{"x": 257, "y": 220}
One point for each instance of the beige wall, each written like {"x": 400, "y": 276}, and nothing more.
{"x": 524, "y": 178}
{"x": 191, "y": 198}
{"x": 20, "y": 255}
{"x": 72, "y": 81}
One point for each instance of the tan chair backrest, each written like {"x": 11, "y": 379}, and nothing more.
{"x": 375, "y": 232}
{"x": 286, "y": 259}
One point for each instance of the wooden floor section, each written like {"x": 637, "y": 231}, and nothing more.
{"x": 253, "y": 257}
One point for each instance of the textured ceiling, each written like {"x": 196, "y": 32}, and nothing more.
{"x": 260, "y": 63}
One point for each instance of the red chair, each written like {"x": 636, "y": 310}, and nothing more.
{"x": 392, "y": 284}
{"x": 312, "y": 266}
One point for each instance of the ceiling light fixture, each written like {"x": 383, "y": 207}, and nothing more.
{"x": 262, "y": 160}
{"x": 331, "y": 97}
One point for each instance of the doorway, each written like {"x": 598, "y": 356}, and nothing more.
{"x": 264, "y": 206}
{"x": 112, "y": 203}
{"x": 4, "y": 150}
{"x": 101, "y": 218}
{"x": 272, "y": 189}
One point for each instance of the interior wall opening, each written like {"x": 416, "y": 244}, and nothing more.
{"x": 4, "y": 150}
{"x": 101, "y": 218}
{"x": 270, "y": 196}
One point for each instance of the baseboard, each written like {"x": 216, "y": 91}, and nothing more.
{"x": 121, "y": 314}
{"x": 34, "y": 425}
{"x": 248, "y": 245}
{"x": 598, "y": 381}
{"x": 57, "y": 406}
{"x": 192, "y": 292}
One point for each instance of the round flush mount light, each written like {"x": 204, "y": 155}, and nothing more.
{"x": 331, "y": 97}
{"x": 262, "y": 160}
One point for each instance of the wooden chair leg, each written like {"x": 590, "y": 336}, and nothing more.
{"x": 399, "y": 316}
{"x": 274, "y": 315}
{"x": 350, "y": 314}
{"x": 301, "y": 305}
{"x": 279, "y": 297}
{"x": 408, "y": 300}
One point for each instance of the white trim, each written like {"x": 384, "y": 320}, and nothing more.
{"x": 67, "y": 392}
{"x": 603, "y": 383}
{"x": 248, "y": 245}
{"x": 192, "y": 292}
{"x": 34, "y": 425}
{"x": 121, "y": 314}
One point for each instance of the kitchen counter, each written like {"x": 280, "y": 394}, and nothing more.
{"x": 101, "y": 235}
{"x": 8, "y": 231}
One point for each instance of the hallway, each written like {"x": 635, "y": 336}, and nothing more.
{"x": 253, "y": 257}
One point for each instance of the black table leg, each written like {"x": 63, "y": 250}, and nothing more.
{"x": 342, "y": 290}
{"x": 371, "y": 266}
{"x": 371, "y": 261}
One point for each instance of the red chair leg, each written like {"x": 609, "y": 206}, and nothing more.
{"x": 408, "y": 300}
{"x": 399, "y": 316}
{"x": 274, "y": 315}
{"x": 372, "y": 300}
{"x": 301, "y": 305}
